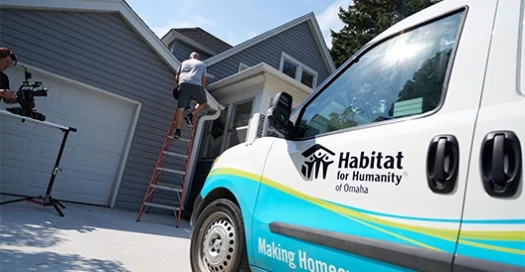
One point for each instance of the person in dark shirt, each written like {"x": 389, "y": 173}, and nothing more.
{"x": 7, "y": 59}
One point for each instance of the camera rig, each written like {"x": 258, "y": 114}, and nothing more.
{"x": 26, "y": 98}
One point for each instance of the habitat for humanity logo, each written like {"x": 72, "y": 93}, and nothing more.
{"x": 317, "y": 160}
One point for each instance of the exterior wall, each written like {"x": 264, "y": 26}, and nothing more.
{"x": 102, "y": 50}
{"x": 252, "y": 87}
{"x": 182, "y": 51}
{"x": 298, "y": 42}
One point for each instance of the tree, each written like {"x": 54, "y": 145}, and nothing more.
{"x": 365, "y": 19}
{"x": 427, "y": 82}
{"x": 343, "y": 120}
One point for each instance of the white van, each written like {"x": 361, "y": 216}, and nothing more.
{"x": 408, "y": 158}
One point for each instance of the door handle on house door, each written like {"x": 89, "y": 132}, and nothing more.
{"x": 501, "y": 163}
{"x": 442, "y": 164}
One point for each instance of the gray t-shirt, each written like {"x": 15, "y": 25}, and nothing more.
{"x": 191, "y": 71}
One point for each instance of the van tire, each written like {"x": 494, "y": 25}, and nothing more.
{"x": 227, "y": 241}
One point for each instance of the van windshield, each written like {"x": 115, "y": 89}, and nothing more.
{"x": 402, "y": 76}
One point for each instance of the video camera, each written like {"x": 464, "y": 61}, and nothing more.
{"x": 26, "y": 98}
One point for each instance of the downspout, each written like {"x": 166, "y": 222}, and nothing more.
{"x": 195, "y": 151}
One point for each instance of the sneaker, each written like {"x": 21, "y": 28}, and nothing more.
{"x": 177, "y": 134}
{"x": 189, "y": 119}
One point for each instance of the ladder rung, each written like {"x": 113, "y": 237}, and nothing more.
{"x": 167, "y": 186}
{"x": 171, "y": 170}
{"x": 162, "y": 206}
{"x": 179, "y": 139}
{"x": 177, "y": 155}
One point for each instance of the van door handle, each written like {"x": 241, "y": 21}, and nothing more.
{"x": 501, "y": 163}
{"x": 442, "y": 164}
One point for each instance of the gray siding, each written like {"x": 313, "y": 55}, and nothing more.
{"x": 182, "y": 51}
{"x": 102, "y": 50}
{"x": 298, "y": 42}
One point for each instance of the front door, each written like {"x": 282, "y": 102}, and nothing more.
{"x": 374, "y": 178}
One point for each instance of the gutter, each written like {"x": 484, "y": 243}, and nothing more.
{"x": 255, "y": 70}
{"x": 195, "y": 151}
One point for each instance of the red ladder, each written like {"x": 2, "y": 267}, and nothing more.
{"x": 154, "y": 183}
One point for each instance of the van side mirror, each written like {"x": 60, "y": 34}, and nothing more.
{"x": 279, "y": 114}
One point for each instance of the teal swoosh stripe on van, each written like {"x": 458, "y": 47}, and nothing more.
{"x": 441, "y": 220}
{"x": 496, "y": 245}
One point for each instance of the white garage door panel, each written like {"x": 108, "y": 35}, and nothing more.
{"x": 92, "y": 156}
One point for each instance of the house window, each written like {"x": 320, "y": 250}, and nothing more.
{"x": 236, "y": 117}
{"x": 298, "y": 70}
{"x": 289, "y": 68}
{"x": 243, "y": 66}
{"x": 240, "y": 122}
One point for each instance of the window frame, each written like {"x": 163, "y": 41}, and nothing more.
{"x": 355, "y": 58}
{"x": 230, "y": 114}
{"x": 300, "y": 67}
{"x": 233, "y": 107}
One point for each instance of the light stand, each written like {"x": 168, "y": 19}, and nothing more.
{"x": 47, "y": 199}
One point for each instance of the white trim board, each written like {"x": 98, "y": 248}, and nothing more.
{"x": 109, "y": 6}
{"x": 31, "y": 68}
{"x": 310, "y": 17}
{"x": 129, "y": 139}
{"x": 254, "y": 71}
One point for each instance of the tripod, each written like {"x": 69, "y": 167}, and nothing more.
{"x": 47, "y": 199}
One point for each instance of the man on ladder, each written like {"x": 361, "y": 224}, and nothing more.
{"x": 191, "y": 81}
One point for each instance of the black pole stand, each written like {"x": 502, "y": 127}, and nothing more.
{"x": 47, "y": 199}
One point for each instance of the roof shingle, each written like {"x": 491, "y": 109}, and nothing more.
{"x": 206, "y": 39}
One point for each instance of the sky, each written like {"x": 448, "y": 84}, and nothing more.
{"x": 235, "y": 21}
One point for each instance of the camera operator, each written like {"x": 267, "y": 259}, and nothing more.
{"x": 7, "y": 59}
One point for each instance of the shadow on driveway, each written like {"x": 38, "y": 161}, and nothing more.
{"x": 15, "y": 260}
{"x": 88, "y": 238}
{"x": 83, "y": 218}
{"x": 27, "y": 224}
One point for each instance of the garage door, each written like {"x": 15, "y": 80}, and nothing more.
{"x": 92, "y": 156}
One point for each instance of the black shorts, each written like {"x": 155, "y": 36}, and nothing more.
{"x": 187, "y": 92}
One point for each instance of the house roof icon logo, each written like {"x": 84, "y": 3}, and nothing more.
{"x": 317, "y": 160}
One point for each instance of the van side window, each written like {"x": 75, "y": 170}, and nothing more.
{"x": 400, "y": 77}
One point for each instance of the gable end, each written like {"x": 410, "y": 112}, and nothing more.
{"x": 299, "y": 42}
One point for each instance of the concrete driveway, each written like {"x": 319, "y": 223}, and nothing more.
{"x": 36, "y": 238}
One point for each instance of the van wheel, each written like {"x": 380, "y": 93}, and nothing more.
{"x": 218, "y": 239}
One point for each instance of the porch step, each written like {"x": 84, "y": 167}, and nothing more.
{"x": 171, "y": 170}
{"x": 161, "y": 206}
{"x": 174, "y": 155}
{"x": 167, "y": 186}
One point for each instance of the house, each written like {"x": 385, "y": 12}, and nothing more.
{"x": 121, "y": 100}
{"x": 244, "y": 78}
{"x": 110, "y": 77}
{"x": 182, "y": 41}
